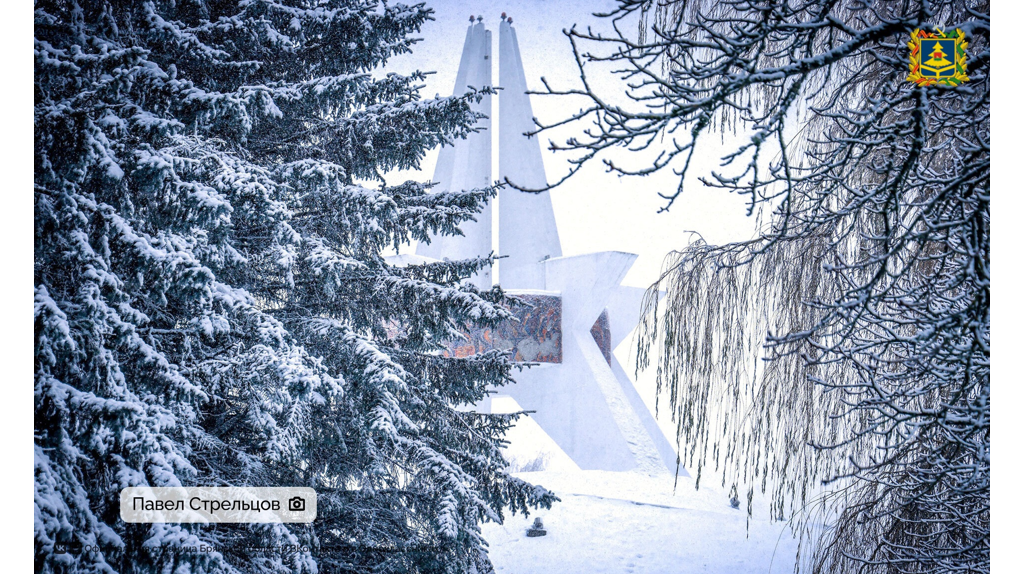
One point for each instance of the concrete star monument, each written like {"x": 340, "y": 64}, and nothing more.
{"x": 582, "y": 397}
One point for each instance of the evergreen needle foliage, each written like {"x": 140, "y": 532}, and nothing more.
{"x": 211, "y": 306}
{"x": 866, "y": 294}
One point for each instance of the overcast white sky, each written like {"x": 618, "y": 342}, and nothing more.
{"x": 595, "y": 211}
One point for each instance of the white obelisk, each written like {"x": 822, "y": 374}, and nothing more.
{"x": 527, "y": 235}
{"x": 467, "y": 164}
{"x": 584, "y": 401}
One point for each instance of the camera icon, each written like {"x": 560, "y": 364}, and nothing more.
{"x": 297, "y": 504}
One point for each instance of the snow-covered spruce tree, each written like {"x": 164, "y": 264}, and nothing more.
{"x": 867, "y": 292}
{"x": 210, "y": 304}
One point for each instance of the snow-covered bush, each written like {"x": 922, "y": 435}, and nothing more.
{"x": 210, "y": 304}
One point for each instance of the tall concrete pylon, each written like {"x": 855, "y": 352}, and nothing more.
{"x": 581, "y": 397}
{"x": 467, "y": 164}
{"x": 527, "y": 235}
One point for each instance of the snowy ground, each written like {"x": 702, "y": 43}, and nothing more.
{"x": 629, "y": 522}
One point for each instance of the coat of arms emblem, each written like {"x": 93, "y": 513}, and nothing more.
{"x": 938, "y": 58}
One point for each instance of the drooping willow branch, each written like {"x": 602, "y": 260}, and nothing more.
{"x": 849, "y": 341}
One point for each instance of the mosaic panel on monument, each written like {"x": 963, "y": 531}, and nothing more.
{"x": 535, "y": 337}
